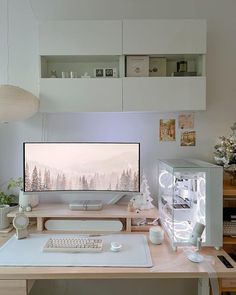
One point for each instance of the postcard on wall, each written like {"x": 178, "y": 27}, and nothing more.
{"x": 186, "y": 121}
{"x": 188, "y": 138}
{"x": 167, "y": 130}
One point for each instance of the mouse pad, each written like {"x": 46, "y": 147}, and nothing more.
{"x": 29, "y": 252}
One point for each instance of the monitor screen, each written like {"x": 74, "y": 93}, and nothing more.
{"x": 79, "y": 166}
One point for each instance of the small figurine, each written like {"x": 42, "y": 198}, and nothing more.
{"x": 131, "y": 207}
{"x": 23, "y": 208}
{"x": 53, "y": 74}
{"x": 85, "y": 75}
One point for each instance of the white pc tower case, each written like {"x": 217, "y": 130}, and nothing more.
{"x": 191, "y": 191}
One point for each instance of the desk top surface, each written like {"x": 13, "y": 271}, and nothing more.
{"x": 166, "y": 264}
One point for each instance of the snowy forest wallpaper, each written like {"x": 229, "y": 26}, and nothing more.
{"x": 81, "y": 166}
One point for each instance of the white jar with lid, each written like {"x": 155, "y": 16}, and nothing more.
{"x": 156, "y": 235}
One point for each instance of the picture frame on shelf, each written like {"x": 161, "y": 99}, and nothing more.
{"x": 110, "y": 72}
{"x": 99, "y": 73}
{"x": 157, "y": 67}
{"x": 137, "y": 66}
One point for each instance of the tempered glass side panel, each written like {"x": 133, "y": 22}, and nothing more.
{"x": 188, "y": 202}
{"x": 182, "y": 193}
{"x": 166, "y": 192}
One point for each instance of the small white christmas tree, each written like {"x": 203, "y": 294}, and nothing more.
{"x": 146, "y": 198}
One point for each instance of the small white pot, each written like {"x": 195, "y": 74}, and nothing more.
{"x": 4, "y": 220}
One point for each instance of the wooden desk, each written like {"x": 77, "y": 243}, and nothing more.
{"x": 167, "y": 264}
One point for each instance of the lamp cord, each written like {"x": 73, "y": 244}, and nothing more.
{"x": 8, "y": 49}
{"x": 44, "y": 129}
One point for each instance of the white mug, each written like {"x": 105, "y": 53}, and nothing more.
{"x": 156, "y": 235}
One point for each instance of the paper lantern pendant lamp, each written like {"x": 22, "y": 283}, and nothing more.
{"x": 16, "y": 104}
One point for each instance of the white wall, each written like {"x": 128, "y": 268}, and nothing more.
{"x": 23, "y": 71}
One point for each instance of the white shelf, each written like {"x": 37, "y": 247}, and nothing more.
{"x": 195, "y": 63}
{"x": 78, "y": 63}
{"x": 46, "y": 211}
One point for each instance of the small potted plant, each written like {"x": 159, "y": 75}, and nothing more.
{"x": 9, "y": 191}
{"x": 8, "y": 199}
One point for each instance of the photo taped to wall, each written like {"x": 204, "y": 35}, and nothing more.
{"x": 167, "y": 130}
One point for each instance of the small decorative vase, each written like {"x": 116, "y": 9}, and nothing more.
{"x": 4, "y": 220}
{"x": 26, "y": 199}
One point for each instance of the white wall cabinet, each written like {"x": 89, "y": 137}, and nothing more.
{"x": 164, "y": 94}
{"x": 80, "y": 38}
{"x": 174, "y": 40}
{"x": 81, "y": 45}
{"x": 81, "y": 95}
{"x": 73, "y": 44}
{"x": 164, "y": 36}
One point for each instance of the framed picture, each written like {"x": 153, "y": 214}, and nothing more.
{"x": 188, "y": 138}
{"x": 99, "y": 73}
{"x": 157, "y": 67}
{"x": 137, "y": 66}
{"x": 110, "y": 72}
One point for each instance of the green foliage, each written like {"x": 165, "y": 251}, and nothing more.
{"x": 9, "y": 195}
{"x": 15, "y": 183}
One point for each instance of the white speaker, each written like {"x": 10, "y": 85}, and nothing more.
{"x": 84, "y": 225}
{"x": 26, "y": 200}
{"x": 20, "y": 223}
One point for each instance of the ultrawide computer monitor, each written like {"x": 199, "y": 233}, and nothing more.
{"x": 79, "y": 166}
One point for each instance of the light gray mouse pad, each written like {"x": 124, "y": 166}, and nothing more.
{"x": 28, "y": 252}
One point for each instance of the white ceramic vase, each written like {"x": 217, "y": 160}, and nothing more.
{"x": 4, "y": 220}
{"x": 26, "y": 199}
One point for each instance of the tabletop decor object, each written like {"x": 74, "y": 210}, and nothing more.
{"x": 225, "y": 154}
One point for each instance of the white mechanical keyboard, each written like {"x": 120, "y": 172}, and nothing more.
{"x": 230, "y": 228}
{"x": 73, "y": 245}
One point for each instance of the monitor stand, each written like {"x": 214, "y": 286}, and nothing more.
{"x": 93, "y": 205}
{"x": 87, "y": 205}
{"x": 116, "y": 199}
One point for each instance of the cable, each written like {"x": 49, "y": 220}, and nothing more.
{"x": 7, "y": 41}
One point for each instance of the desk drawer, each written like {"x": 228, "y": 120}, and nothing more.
{"x": 228, "y": 283}
{"x": 13, "y": 287}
